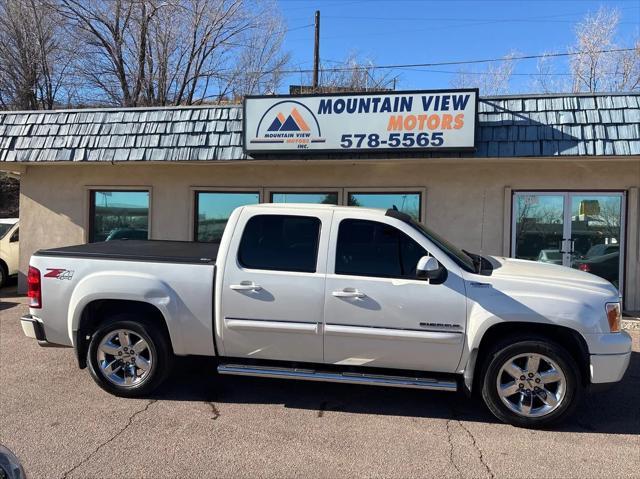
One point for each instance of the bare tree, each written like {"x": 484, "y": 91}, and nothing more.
{"x": 546, "y": 80}
{"x": 594, "y": 70}
{"x": 494, "y": 80}
{"x": 356, "y": 73}
{"x": 158, "y": 52}
{"x": 260, "y": 62}
{"x": 35, "y": 64}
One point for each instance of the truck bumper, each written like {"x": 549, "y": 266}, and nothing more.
{"x": 608, "y": 368}
{"x": 32, "y": 328}
{"x": 610, "y": 356}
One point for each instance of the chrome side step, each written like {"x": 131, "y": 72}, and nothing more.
{"x": 338, "y": 377}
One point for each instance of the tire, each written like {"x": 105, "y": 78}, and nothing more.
{"x": 128, "y": 367}
{"x": 538, "y": 400}
{"x": 3, "y": 275}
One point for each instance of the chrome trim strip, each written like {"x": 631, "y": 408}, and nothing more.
{"x": 275, "y": 326}
{"x": 346, "y": 377}
{"x": 441, "y": 337}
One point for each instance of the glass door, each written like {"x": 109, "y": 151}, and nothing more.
{"x": 596, "y": 234}
{"x": 581, "y": 230}
{"x": 539, "y": 227}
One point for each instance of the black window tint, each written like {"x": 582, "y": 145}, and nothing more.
{"x": 369, "y": 248}
{"x": 283, "y": 243}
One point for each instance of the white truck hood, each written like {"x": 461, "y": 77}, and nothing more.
{"x": 550, "y": 274}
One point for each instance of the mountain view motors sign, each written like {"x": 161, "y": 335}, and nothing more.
{"x": 369, "y": 121}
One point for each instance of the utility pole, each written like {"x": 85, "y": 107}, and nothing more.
{"x": 316, "y": 52}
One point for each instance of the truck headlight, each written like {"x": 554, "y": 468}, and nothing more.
{"x": 614, "y": 316}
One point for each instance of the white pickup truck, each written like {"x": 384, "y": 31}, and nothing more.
{"x": 327, "y": 293}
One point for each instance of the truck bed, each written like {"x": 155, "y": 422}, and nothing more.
{"x": 141, "y": 250}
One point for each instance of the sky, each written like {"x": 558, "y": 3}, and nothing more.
{"x": 391, "y": 32}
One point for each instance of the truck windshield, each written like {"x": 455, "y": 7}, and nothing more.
{"x": 460, "y": 257}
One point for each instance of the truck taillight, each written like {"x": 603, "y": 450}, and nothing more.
{"x": 34, "y": 288}
{"x": 584, "y": 267}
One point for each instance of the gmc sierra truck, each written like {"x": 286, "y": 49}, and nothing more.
{"x": 328, "y": 293}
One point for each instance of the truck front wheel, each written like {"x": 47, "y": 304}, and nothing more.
{"x": 128, "y": 356}
{"x": 530, "y": 382}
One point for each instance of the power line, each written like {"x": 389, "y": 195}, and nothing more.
{"x": 465, "y": 62}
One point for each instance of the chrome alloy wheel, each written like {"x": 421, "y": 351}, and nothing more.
{"x": 531, "y": 385}
{"x": 124, "y": 357}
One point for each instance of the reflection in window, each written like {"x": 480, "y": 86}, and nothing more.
{"x": 213, "y": 210}
{"x": 119, "y": 215}
{"x": 539, "y": 227}
{"x": 595, "y": 231}
{"x": 315, "y": 198}
{"x": 406, "y": 202}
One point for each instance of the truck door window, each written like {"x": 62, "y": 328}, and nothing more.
{"x": 281, "y": 243}
{"x": 370, "y": 248}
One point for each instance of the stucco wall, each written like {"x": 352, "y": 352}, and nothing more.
{"x": 54, "y": 199}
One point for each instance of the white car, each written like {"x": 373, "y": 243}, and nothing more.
{"x": 9, "y": 248}
{"x": 329, "y": 293}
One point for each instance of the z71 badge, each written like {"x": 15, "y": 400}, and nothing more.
{"x": 59, "y": 273}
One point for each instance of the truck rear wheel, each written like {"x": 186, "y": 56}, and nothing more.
{"x": 530, "y": 383}
{"x": 129, "y": 356}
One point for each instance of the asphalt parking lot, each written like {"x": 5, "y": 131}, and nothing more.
{"x": 60, "y": 424}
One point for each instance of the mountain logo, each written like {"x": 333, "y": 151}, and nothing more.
{"x": 293, "y": 122}
{"x": 287, "y": 125}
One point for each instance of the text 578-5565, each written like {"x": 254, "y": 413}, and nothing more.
{"x": 393, "y": 140}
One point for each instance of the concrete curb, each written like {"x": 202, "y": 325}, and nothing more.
{"x": 631, "y": 324}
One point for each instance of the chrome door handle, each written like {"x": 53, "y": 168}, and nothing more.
{"x": 348, "y": 293}
{"x": 246, "y": 286}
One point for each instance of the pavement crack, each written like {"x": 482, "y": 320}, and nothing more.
{"x": 214, "y": 410}
{"x": 477, "y": 448}
{"x": 109, "y": 440}
{"x": 450, "y": 442}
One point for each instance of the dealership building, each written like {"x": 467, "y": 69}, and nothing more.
{"x": 552, "y": 178}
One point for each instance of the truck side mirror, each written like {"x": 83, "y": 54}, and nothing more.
{"x": 428, "y": 268}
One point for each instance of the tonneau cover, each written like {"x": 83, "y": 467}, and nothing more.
{"x": 141, "y": 250}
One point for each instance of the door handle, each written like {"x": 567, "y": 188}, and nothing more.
{"x": 246, "y": 286}
{"x": 348, "y": 293}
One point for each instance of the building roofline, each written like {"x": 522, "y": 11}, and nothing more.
{"x": 558, "y": 95}
{"x": 239, "y": 105}
{"x": 118, "y": 109}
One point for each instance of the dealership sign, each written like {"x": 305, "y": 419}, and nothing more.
{"x": 370, "y": 121}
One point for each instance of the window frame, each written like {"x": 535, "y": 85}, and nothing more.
{"x": 269, "y": 192}
{"x": 195, "y": 192}
{"x": 421, "y": 191}
{"x": 380, "y": 276}
{"x": 90, "y": 198}
{"x": 243, "y": 266}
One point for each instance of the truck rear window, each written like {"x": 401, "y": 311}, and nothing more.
{"x": 281, "y": 243}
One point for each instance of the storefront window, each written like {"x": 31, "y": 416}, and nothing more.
{"x": 213, "y": 210}
{"x": 406, "y": 202}
{"x": 578, "y": 230}
{"x": 119, "y": 215}
{"x": 330, "y": 198}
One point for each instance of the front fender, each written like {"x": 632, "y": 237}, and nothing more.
{"x": 492, "y": 307}
{"x": 116, "y": 285}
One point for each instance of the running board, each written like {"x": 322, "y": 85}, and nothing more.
{"x": 339, "y": 377}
